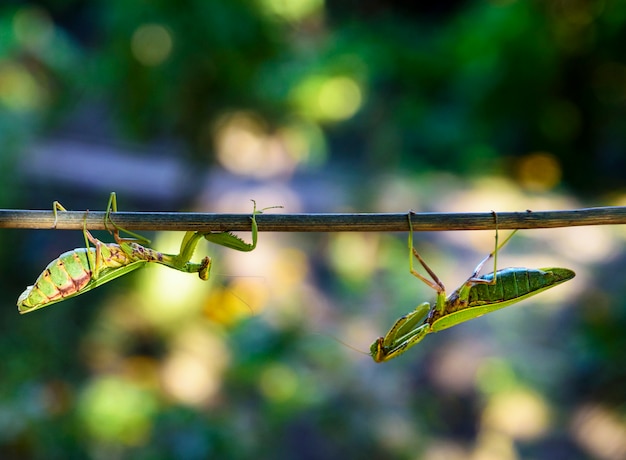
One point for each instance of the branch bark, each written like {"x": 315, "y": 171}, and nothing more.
{"x": 319, "y": 222}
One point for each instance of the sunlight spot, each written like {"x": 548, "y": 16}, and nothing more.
{"x": 539, "y": 171}
{"x": 278, "y": 382}
{"x": 358, "y": 335}
{"x": 114, "y": 410}
{"x": 287, "y": 273}
{"x": 495, "y": 375}
{"x": 328, "y": 98}
{"x": 520, "y": 413}
{"x": 244, "y": 146}
{"x": 242, "y": 298}
{"x": 293, "y": 10}
{"x": 585, "y": 244}
{"x": 140, "y": 370}
{"x": 445, "y": 450}
{"x": 396, "y": 432}
{"x": 19, "y": 90}
{"x": 192, "y": 372}
{"x": 33, "y": 28}
{"x": 482, "y": 195}
{"x": 339, "y": 98}
{"x": 600, "y": 431}
{"x": 170, "y": 295}
{"x": 187, "y": 379}
{"x": 305, "y": 142}
{"x": 354, "y": 255}
{"x": 151, "y": 44}
{"x": 494, "y": 445}
{"x": 457, "y": 364}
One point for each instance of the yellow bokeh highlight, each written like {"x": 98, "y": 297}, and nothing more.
{"x": 192, "y": 372}
{"x": 168, "y": 297}
{"x": 339, "y": 98}
{"x": 291, "y": 267}
{"x": 396, "y": 431}
{"x": 242, "y": 298}
{"x": 520, "y": 413}
{"x": 304, "y": 141}
{"x": 495, "y": 375}
{"x": 19, "y": 89}
{"x": 141, "y": 371}
{"x": 601, "y": 431}
{"x": 116, "y": 411}
{"x": 188, "y": 380}
{"x": 598, "y": 246}
{"x": 494, "y": 445}
{"x": 245, "y": 146}
{"x": 445, "y": 450}
{"x": 457, "y": 364}
{"x": 292, "y": 10}
{"x": 151, "y": 44}
{"x": 355, "y": 256}
{"x": 284, "y": 274}
{"x": 330, "y": 99}
{"x": 33, "y": 28}
{"x": 278, "y": 383}
{"x": 539, "y": 171}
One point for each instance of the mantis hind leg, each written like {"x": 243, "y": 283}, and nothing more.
{"x": 112, "y": 207}
{"x": 494, "y": 254}
{"x": 94, "y": 261}
{"x": 436, "y": 283}
{"x": 56, "y": 206}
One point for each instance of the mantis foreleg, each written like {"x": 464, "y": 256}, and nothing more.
{"x": 231, "y": 241}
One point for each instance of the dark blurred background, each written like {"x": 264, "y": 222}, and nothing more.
{"x": 319, "y": 107}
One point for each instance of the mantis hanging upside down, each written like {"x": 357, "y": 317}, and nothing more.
{"x": 476, "y": 296}
{"x": 83, "y": 269}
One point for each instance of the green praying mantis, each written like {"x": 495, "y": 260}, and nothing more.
{"x": 83, "y": 269}
{"x": 476, "y": 296}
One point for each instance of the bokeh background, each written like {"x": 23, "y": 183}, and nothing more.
{"x": 318, "y": 106}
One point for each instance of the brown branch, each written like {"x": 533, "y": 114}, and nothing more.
{"x": 353, "y": 222}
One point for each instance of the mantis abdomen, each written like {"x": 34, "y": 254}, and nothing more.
{"x": 514, "y": 284}
{"x": 476, "y": 298}
{"x": 71, "y": 273}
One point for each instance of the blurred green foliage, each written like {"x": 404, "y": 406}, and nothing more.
{"x": 318, "y": 106}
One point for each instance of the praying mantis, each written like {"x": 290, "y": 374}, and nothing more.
{"x": 476, "y": 296}
{"x": 83, "y": 269}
